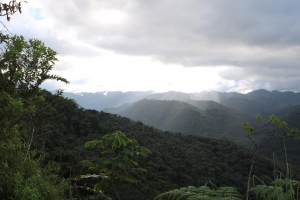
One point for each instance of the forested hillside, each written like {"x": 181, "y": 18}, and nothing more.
{"x": 42, "y": 145}
{"x": 260, "y": 102}
{"x": 176, "y": 161}
{"x": 52, "y": 148}
{"x": 213, "y": 120}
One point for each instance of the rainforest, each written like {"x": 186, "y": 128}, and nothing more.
{"x": 139, "y": 144}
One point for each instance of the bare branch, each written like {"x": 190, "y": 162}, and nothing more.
{"x": 6, "y": 29}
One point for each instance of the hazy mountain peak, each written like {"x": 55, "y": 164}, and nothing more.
{"x": 260, "y": 92}
{"x": 106, "y": 99}
{"x": 256, "y": 102}
{"x": 171, "y": 95}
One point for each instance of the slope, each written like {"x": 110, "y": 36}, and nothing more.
{"x": 260, "y": 102}
{"x": 177, "y": 160}
{"x": 216, "y": 121}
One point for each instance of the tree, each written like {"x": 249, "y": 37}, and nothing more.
{"x": 115, "y": 164}
{"x": 257, "y": 136}
{"x": 24, "y": 66}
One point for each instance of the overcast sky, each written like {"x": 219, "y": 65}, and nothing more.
{"x": 162, "y": 45}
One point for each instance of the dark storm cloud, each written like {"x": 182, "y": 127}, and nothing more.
{"x": 260, "y": 38}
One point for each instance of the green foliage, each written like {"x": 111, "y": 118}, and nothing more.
{"x": 115, "y": 165}
{"x": 29, "y": 181}
{"x": 24, "y": 66}
{"x": 177, "y": 160}
{"x": 283, "y": 186}
{"x": 273, "y": 127}
{"x": 214, "y": 121}
{"x": 203, "y": 192}
{"x": 280, "y": 188}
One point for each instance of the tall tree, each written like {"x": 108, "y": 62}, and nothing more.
{"x": 115, "y": 164}
{"x": 24, "y": 66}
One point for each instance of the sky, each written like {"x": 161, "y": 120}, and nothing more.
{"x": 164, "y": 45}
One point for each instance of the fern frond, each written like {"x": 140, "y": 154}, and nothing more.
{"x": 201, "y": 193}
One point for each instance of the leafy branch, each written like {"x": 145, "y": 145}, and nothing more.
{"x": 281, "y": 130}
{"x": 116, "y": 164}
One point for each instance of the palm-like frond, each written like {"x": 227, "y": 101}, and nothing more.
{"x": 201, "y": 193}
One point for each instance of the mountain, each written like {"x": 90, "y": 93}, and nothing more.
{"x": 247, "y": 106}
{"x": 205, "y": 118}
{"x": 258, "y": 102}
{"x": 204, "y": 105}
{"x": 176, "y": 161}
{"x": 213, "y": 120}
{"x": 218, "y": 120}
{"x": 116, "y": 110}
{"x": 171, "y": 95}
{"x": 204, "y": 96}
{"x": 101, "y": 100}
{"x": 167, "y": 115}
{"x": 293, "y": 117}
{"x": 290, "y": 98}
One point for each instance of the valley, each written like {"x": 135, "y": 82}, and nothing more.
{"x": 217, "y": 115}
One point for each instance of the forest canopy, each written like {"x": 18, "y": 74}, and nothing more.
{"x": 49, "y": 144}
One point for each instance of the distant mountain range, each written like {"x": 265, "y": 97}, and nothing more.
{"x": 101, "y": 100}
{"x": 210, "y": 114}
{"x": 260, "y": 102}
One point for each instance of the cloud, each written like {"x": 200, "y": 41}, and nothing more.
{"x": 257, "y": 43}
{"x": 64, "y": 65}
{"x": 192, "y": 33}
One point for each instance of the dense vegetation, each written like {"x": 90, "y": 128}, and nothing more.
{"x": 25, "y": 116}
{"x": 176, "y": 160}
{"x": 203, "y": 192}
{"x": 213, "y": 120}
{"x": 49, "y": 145}
{"x": 258, "y": 102}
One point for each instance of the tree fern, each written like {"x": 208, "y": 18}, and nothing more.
{"x": 201, "y": 193}
{"x": 280, "y": 189}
